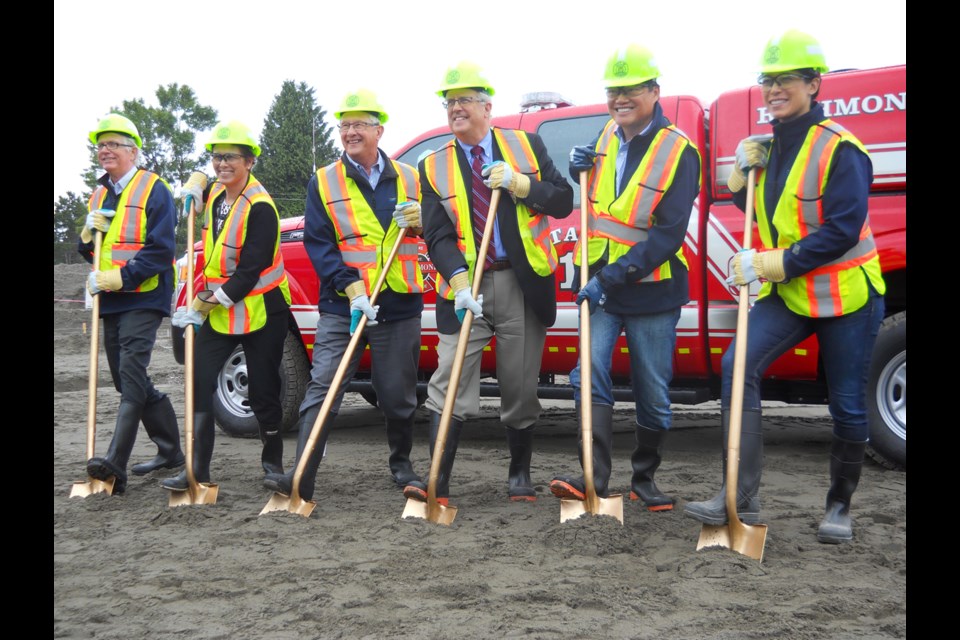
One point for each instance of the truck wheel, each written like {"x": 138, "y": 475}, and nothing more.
{"x": 231, "y": 404}
{"x": 887, "y": 394}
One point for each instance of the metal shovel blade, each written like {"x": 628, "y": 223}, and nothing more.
{"x": 280, "y": 502}
{"x": 199, "y": 493}
{"x": 441, "y": 514}
{"x": 745, "y": 539}
{"x": 92, "y": 486}
{"x": 611, "y": 506}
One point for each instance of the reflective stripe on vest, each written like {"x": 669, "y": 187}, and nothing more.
{"x": 838, "y": 287}
{"x": 363, "y": 242}
{"x": 442, "y": 169}
{"x": 223, "y": 254}
{"x": 616, "y": 223}
{"x": 128, "y": 229}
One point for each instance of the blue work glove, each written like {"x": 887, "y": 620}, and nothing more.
{"x": 582, "y": 158}
{"x": 742, "y": 267}
{"x": 360, "y": 305}
{"x": 184, "y": 317}
{"x": 593, "y": 292}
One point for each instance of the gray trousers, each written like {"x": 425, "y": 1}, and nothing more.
{"x": 520, "y": 338}
{"x": 394, "y": 360}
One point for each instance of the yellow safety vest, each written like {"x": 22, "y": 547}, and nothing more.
{"x": 128, "y": 229}
{"x": 443, "y": 172}
{"x": 223, "y": 255}
{"x": 838, "y": 287}
{"x": 363, "y": 242}
{"x": 616, "y": 223}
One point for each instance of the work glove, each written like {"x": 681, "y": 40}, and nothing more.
{"x": 499, "y": 174}
{"x": 184, "y": 317}
{"x": 192, "y": 191}
{"x": 750, "y": 265}
{"x": 593, "y": 291}
{"x": 98, "y": 219}
{"x": 407, "y": 215}
{"x": 360, "y": 305}
{"x": 582, "y": 158}
{"x": 110, "y": 280}
{"x": 751, "y": 152}
{"x": 463, "y": 299}
{"x": 204, "y": 304}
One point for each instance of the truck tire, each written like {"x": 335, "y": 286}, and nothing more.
{"x": 231, "y": 406}
{"x": 887, "y": 394}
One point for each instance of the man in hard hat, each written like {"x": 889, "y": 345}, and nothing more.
{"x": 643, "y": 178}
{"x": 355, "y": 210}
{"x": 517, "y": 299}
{"x": 134, "y": 209}
{"x": 822, "y": 275}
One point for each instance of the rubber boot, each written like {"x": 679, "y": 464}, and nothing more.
{"x": 203, "y": 439}
{"x": 271, "y": 458}
{"x": 645, "y": 461}
{"x": 417, "y": 490}
{"x": 846, "y": 462}
{"x": 121, "y": 446}
{"x": 714, "y": 511}
{"x": 519, "y": 485}
{"x": 400, "y": 439}
{"x": 571, "y": 488}
{"x": 282, "y": 483}
{"x": 160, "y": 422}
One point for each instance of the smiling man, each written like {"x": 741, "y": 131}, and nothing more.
{"x": 517, "y": 299}
{"x": 643, "y": 177}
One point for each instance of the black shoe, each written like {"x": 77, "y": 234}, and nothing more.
{"x": 103, "y": 469}
{"x": 159, "y": 462}
{"x": 568, "y": 488}
{"x": 278, "y": 483}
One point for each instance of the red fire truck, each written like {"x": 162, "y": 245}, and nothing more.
{"x": 871, "y": 103}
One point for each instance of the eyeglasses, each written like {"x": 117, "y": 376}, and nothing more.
{"x": 359, "y": 127}
{"x": 464, "y": 101}
{"x": 227, "y": 157}
{"x": 784, "y": 80}
{"x": 630, "y": 92}
{"x": 112, "y": 145}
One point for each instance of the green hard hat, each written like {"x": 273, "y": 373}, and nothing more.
{"x": 233, "y": 132}
{"x": 633, "y": 65}
{"x": 466, "y": 75}
{"x": 116, "y": 123}
{"x": 793, "y": 50}
{"x": 361, "y": 100}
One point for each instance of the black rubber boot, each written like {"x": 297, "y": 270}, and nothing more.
{"x": 160, "y": 422}
{"x": 282, "y": 483}
{"x": 400, "y": 439}
{"x": 645, "y": 461}
{"x": 121, "y": 445}
{"x": 714, "y": 511}
{"x": 203, "y": 440}
{"x": 846, "y": 462}
{"x": 571, "y": 488}
{"x": 417, "y": 490}
{"x": 271, "y": 457}
{"x": 519, "y": 485}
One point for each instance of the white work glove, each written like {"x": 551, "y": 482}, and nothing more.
{"x": 109, "y": 280}
{"x": 192, "y": 193}
{"x": 500, "y": 174}
{"x": 407, "y": 214}
{"x": 463, "y": 299}
{"x": 360, "y": 305}
{"x": 751, "y": 152}
{"x": 184, "y": 317}
{"x": 98, "y": 219}
{"x": 742, "y": 269}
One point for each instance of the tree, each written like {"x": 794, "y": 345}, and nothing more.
{"x": 295, "y": 141}
{"x": 69, "y": 215}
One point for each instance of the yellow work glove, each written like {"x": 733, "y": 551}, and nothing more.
{"x": 769, "y": 265}
{"x": 203, "y": 307}
{"x": 500, "y": 174}
{"x": 751, "y": 152}
{"x": 104, "y": 281}
{"x": 407, "y": 215}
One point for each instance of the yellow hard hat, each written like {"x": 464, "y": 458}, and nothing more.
{"x": 233, "y": 132}
{"x": 466, "y": 75}
{"x": 361, "y": 100}
{"x": 116, "y": 123}
{"x": 633, "y": 65}
{"x": 793, "y": 50}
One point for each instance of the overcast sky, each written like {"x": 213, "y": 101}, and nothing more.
{"x": 235, "y": 55}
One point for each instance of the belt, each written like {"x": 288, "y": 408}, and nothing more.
{"x": 498, "y": 265}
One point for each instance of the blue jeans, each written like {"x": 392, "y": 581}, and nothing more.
{"x": 651, "y": 340}
{"x": 846, "y": 345}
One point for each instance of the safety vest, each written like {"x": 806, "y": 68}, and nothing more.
{"x": 223, "y": 255}
{"x": 443, "y": 172}
{"x": 616, "y": 223}
{"x": 363, "y": 242}
{"x": 838, "y": 287}
{"x": 128, "y": 229}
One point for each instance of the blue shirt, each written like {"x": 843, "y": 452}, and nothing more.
{"x": 375, "y": 171}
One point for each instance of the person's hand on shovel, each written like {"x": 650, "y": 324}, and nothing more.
{"x": 109, "y": 280}
{"x": 360, "y": 305}
{"x": 98, "y": 220}
{"x": 750, "y": 152}
{"x": 463, "y": 298}
{"x": 594, "y": 293}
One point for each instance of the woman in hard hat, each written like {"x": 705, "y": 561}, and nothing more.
{"x": 245, "y": 299}
{"x": 821, "y": 270}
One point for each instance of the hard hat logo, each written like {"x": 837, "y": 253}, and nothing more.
{"x": 621, "y": 69}
{"x": 223, "y": 133}
{"x": 453, "y": 76}
{"x": 772, "y": 55}
{"x": 353, "y": 100}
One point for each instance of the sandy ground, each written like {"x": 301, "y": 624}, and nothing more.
{"x": 130, "y": 566}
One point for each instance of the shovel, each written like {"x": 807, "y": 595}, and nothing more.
{"x": 745, "y": 539}
{"x": 294, "y": 503}
{"x": 196, "y": 493}
{"x": 92, "y": 485}
{"x": 591, "y": 503}
{"x": 431, "y": 509}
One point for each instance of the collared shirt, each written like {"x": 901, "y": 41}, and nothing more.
{"x": 622, "y": 153}
{"x": 121, "y": 184}
{"x": 375, "y": 171}
{"x": 486, "y": 158}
